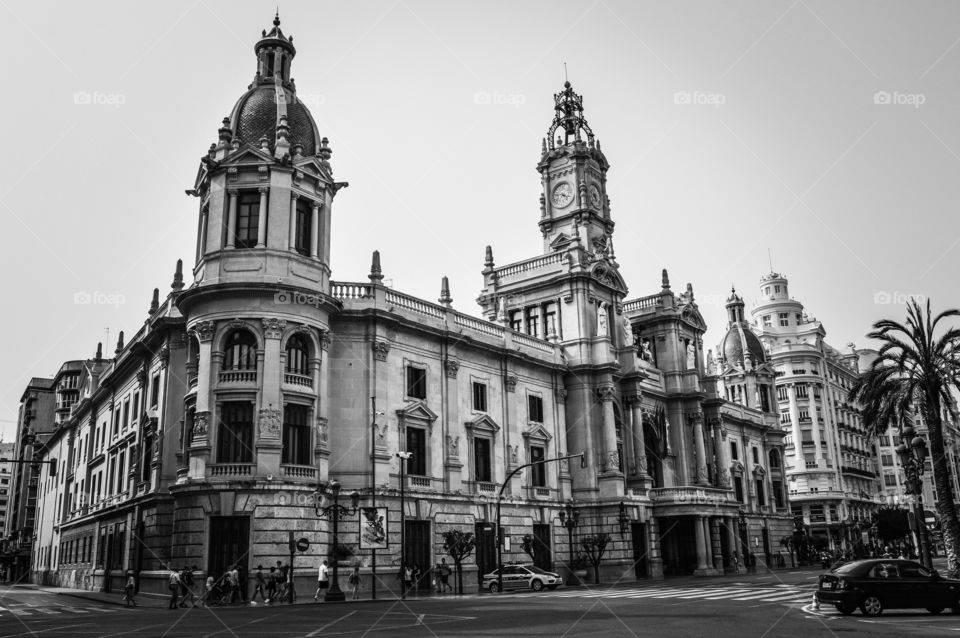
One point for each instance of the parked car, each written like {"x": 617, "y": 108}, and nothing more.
{"x": 883, "y": 583}
{"x": 521, "y": 577}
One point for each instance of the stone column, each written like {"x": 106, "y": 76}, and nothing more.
{"x": 653, "y": 547}
{"x": 323, "y": 407}
{"x": 733, "y": 541}
{"x": 202, "y": 421}
{"x": 293, "y": 220}
{"x": 232, "y": 218}
{"x": 722, "y": 453}
{"x": 564, "y": 486}
{"x": 611, "y": 459}
{"x": 202, "y": 233}
{"x": 262, "y": 218}
{"x": 327, "y": 225}
{"x": 714, "y": 527}
{"x": 697, "y": 421}
{"x": 314, "y": 229}
{"x": 639, "y": 443}
{"x": 268, "y": 441}
{"x": 815, "y": 425}
{"x": 799, "y": 459}
{"x": 701, "y": 545}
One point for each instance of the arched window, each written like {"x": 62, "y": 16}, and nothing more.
{"x": 240, "y": 351}
{"x": 297, "y": 356}
{"x": 774, "y": 459}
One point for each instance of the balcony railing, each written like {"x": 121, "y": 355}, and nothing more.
{"x": 238, "y": 376}
{"x": 485, "y": 488}
{"x": 298, "y": 379}
{"x": 418, "y": 481}
{"x": 231, "y": 469}
{"x": 300, "y": 471}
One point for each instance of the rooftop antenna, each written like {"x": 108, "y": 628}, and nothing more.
{"x": 769, "y": 259}
{"x": 565, "y": 77}
{"x": 107, "y": 330}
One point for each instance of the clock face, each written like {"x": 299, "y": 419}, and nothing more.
{"x": 595, "y": 199}
{"x": 562, "y": 195}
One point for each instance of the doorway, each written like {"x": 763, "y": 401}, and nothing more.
{"x": 418, "y": 550}
{"x": 638, "y": 532}
{"x": 542, "y": 555}
{"x": 486, "y": 549}
{"x": 229, "y": 545}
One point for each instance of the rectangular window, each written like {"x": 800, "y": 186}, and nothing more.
{"x": 235, "y": 433}
{"x": 733, "y": 450}
{"x": 533, "y": 322}
{"x": 550, "y": 320}
{"x": 738, "y": 488}
{"x": 538, "y": 473}
{"x": 417, "y": 446}
{"x": 766, "y": 321}
{"x": 248, "y": 219}
{"x": 155, "y": 391}
{"x": 416, "y": 383}
{"x": 534, "y": 408}
{"x": 760, "y": 495}
{"x": 303, "y": 234}
{"x": 889, "y": 480}
{"x": 296, "y": 435}
{"x": 479, "y": 397}
{"x": 516, "y": 320}
{"x": 121, "y": 473}
{"x": 481, "y": 459}
{"x": 116, "y": 420}
{"x": 756, "y": 455}
{"x": 136, "y": 408}
{"x": 784, "y": 319}
{"x": 799, "y": 318}
{"x": 778, "y": 494}
{"x": 126, "y": 414}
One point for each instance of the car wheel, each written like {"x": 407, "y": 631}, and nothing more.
{"x": 846, "y": 610}
{"x": 551, "y": 587}
{"x": 871, "y": 605}
{"x": 935, "y": 610}
{"x": 494, "y": 588}
{"x": 537, "y": 585}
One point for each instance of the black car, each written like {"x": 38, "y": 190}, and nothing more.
{"x": 887, "y": 583}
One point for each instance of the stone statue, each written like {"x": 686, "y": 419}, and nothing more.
{"x": 645, "y": 353}
{"x": 691, "y": 355}
{"x": 627, "y": 331}
{"x": 602, "y": 328}
{"x": 502, "y": 309}
{"x": 453, "y": 445}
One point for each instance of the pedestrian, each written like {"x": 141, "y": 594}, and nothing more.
{"x": 407, "y": 578}
{"x": 281, "y": 581}
{"x": 259, "y": 586}
{"x": 444, "y": 575}
{"x": 323, "y": 579}
{"x": 354, "y": 581}
{"x": 271, "y": 584}
{"x": 129, "y": 590}
{"x": 415, "y": 577}
{"x": 174, "y": 585}
{"x": 186, "y": 587}
{"x": 207, "y": 590}
{"x": 235, "y": 584}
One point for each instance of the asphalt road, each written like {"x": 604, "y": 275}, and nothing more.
{"x": 759, "y": 606}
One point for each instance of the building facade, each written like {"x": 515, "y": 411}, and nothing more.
{"x": 205, "y": 440}
{"x": 832, "y": 470}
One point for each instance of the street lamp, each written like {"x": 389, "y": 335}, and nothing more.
{"x": 913, "y": 452}
{"x": 570, "y": 518}
{"x": 334, "y": 512}
{"x": 403, "y": 456}
{"x": 623, "y": 518}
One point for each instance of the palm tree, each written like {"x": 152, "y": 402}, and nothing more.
{"x": 915, "y": 370}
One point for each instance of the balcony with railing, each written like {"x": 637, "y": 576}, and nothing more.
{"x": 298, "y": 380}
{"x": 231, "y": 470}
{"x": 299, "y": 471}
{"x": 238, "y": 376}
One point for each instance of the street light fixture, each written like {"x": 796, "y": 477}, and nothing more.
{"x": 334, "y": 512}
{"x": 403, "y": 456}
{"x": 913, "y": 452}
{"x": 570, "y": 518}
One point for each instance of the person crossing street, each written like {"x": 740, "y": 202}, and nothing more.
{"x": 323, "y": 579}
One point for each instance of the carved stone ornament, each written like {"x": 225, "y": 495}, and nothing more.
{"x": 325, "y": 340}
{"x": 236, "y": 324}
{"x": 562, "y": 394}
{"x": 381, "y": 349}
{"x": 200, "y": 424}
{"x": 380, "y": 432}
{"x": 613, "y": 461}
{"x": 273, "y": 328}
{"x": 606, "y": 392}
{"x": 269, "y": 421}
{"x": 511, "y": 382}
{"x": 452, "y": 366}
{"x": 453, "y": 446}
{"x": 164, "y": 355}
{"x": 142, "y": 377}
{"x": 695, "y": 418}
{"x": 204, "y": 330}
{"x": 323, "y": 435}
{"x": 514, "y": 453}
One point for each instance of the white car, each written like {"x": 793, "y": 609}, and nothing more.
{"x": 521, "y": 577}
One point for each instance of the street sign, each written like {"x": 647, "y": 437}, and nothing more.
{"x": 303, "y": 544}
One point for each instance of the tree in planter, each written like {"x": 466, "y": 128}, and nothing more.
{"x": 594, "y": 546}
{"x": 459, "y": 545}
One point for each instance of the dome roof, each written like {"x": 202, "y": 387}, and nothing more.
{"x": 740, "y": 339}
{"x": 259, "y": 111}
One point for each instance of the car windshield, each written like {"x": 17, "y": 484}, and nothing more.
{"x": 845, "y": 569}
{"x": 537, "y": 570}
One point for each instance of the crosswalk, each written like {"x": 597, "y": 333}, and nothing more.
{"x": 786, "y": 594}
{"x": 37, "y": 611}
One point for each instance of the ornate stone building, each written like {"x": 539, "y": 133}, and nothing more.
{"x": 268, "y": 380}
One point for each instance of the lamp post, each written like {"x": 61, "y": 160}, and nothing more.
{"x": 744, "y": 544}
{"x": 570, "y": 518}
{"x": 913, "y": 452}
{"x": 623, "y": 518}
{"x": 403, "y": 456}
{"x": 334, "y": 512}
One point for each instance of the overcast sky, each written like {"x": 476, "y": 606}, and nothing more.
{"x": 825, "y": 132}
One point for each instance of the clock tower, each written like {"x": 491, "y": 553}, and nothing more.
{"x": 574, "y": 207}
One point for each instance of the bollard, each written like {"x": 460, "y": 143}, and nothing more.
{"x": 816, "y": 602}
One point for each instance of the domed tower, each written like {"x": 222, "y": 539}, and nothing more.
{"x": 574, "y": 207}
{"x": 258, "y": 309}
{"x": 743, "y": 364}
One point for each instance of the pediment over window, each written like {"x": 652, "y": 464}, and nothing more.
{"x": 247, "y": 155}
{"x": 537, "y": 433}
{"x": 758, "y": 471}
{"x": 736, "y": 467}
{"x": 561, "y": 242}
{"x": 416, "y": 413}
{"x": 482, "y": 425}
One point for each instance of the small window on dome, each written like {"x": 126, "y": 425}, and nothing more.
{"x": 269, "y": 63}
